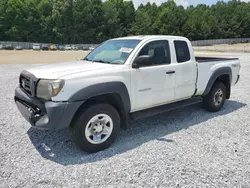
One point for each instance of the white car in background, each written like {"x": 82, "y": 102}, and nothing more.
{"x": 91, "y": 48}
{"x": 74, "y": 47}
{"x": 36, "y": 47}
{"x": 68, "y": 47}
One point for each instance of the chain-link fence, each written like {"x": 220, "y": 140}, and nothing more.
{"x": 198, "y": 45}
{"x": 223, "y": 45}
{"x": 220, "y": 41}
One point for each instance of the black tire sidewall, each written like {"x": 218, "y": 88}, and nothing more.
{"x": 208, "y": 102}
{"x": 78, "y": 127}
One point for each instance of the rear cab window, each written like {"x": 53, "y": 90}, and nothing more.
{"x": 182, "y": 51}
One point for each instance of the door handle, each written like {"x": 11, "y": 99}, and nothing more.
{"x": 170, "y": 72}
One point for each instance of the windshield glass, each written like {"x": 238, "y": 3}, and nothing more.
{"x": 113, "y": 51}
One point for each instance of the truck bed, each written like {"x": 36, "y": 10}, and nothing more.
{"x": 210, "y": 59}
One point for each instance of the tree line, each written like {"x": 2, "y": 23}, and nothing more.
{"x": 93, "y": 21}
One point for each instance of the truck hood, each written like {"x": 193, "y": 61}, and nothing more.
{"x": 57, "y": 70}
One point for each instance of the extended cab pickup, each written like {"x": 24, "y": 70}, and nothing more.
{"x": 122, "y": 79}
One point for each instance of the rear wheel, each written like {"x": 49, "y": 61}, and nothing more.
{"x": 95, "y": 128}
{"x": 215, "y": 100}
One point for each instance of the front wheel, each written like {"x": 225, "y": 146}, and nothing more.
{"x": 215, "y": 100}
{"x": 95, "y": 128}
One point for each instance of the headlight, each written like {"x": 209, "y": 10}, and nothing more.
{"x": 49, "y": 88}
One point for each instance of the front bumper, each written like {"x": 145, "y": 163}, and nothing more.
{"x": 45, "y": 115}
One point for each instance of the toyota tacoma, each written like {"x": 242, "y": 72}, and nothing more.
{"x": 122, "y": 79}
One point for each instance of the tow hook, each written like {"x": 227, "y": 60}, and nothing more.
{"x": 35, "y": 116}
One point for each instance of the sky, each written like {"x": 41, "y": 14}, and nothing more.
{"x": 185, "y": 3}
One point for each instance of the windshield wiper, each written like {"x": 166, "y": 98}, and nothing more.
{"x": 98, "y": 61}
{"x": 101, "y": 61}
{"x": 87, "y": 59}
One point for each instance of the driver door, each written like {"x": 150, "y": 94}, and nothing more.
{"x": 152, "y": 85}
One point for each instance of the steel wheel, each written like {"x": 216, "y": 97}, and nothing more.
{"x": 218, "y": 97}
{"x": 214, "y": 101}
{"x": 99, "y": 128}
{"x": 95, "y": 127}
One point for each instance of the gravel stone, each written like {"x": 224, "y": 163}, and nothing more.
{"x": 188, "y": 147}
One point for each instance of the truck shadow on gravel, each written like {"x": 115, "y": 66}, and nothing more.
{"x": 57, "y": 146}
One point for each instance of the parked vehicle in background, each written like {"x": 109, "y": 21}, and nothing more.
{"x": 68, "y": 47}
{"x": 233, "y": 42}
{"x": 246, "y": 41}
{"x": 19, "y": 47}
{"x": 61, "y": 47}
{"x": 123, "y": 79}
{"x": 45, "y": 47}
{"x": 85, "y": 48}
{"x": 1, "y": 47}
{"x": 74, "y": 47}
{"x": 91, "y": 48}
{"x": 53, "y": 47}
{"x": 9, "y": 47}
{"x": 36, "y": 47}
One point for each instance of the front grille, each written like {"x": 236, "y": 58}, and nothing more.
{"x": 25, "y": 84}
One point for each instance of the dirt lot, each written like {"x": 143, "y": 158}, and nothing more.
{"x": 38, "y": 57}
{"x": 245, "y": 47}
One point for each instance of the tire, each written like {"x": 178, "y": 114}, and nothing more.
{"x": 215, "y": 100}
{"x": 84, "y": 133}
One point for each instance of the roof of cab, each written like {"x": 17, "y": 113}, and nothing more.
{"x": 146, "y": 37}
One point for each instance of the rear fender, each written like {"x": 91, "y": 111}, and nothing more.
{"x": 216, "y": 74}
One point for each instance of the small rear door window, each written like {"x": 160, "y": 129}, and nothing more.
{"x": 182, "y": 51}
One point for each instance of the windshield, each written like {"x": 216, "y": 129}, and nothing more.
{"x": 113, "y": 51}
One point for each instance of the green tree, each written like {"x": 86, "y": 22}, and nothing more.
{"x": 14, "y": 20}
{"x": 201, "y": 23}
{"x": 143, "y": 24}
{"x": 62, "y": 19}
{"x": 111, "y": 24}
{"x": 88, "y": 21}
{"x": 4, "y": 23}
{"x": 170, "y": 19}
{"x": 46, "y": 26}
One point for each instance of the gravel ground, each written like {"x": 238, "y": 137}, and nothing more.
{"x": 184, "y": 148}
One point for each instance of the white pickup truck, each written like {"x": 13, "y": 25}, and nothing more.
{"x": 123, "y": 79}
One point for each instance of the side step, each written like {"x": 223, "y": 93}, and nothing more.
{"x": 164, "y": 108}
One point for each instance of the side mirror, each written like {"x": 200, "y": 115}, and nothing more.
{"x": 141, "y": 61}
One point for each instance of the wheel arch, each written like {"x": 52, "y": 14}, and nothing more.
{"x": 223, "y": 75}
{"x": 113, "y": 93}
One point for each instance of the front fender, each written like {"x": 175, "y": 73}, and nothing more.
{"x": 104, "y": 88}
